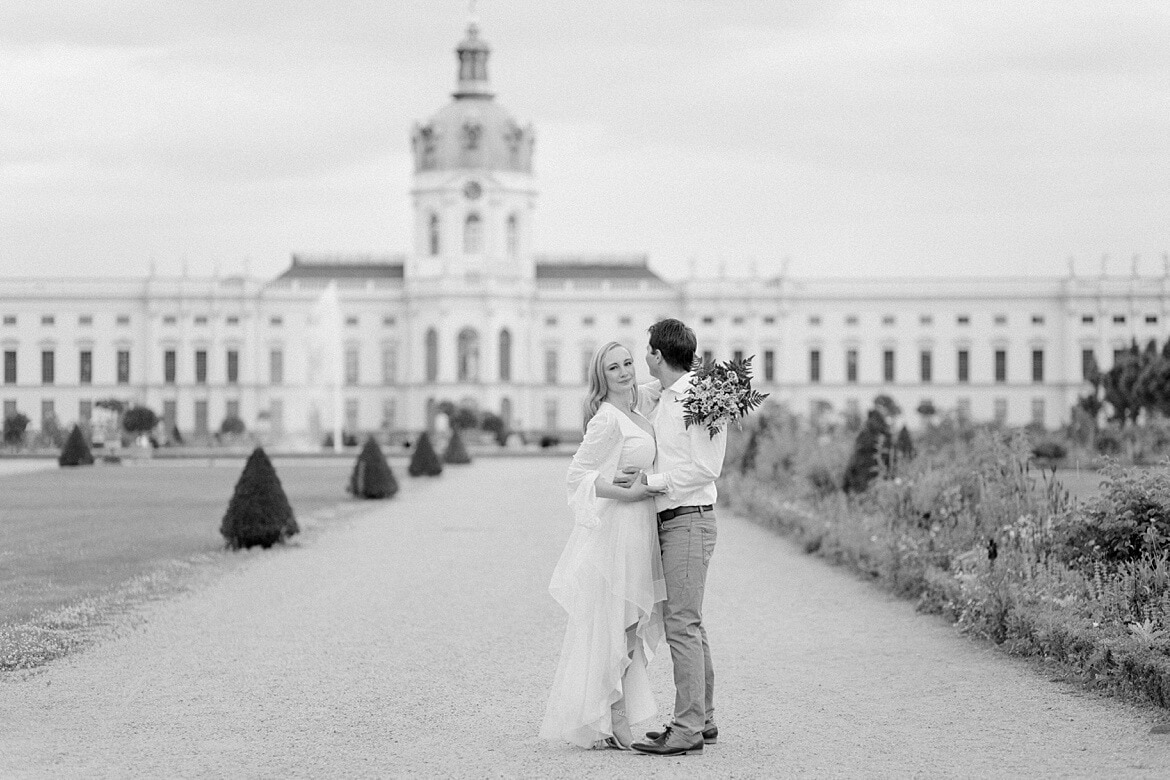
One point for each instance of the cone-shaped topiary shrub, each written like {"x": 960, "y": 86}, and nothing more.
{"x": 456, "y": 451}
{"x": 425, "y": 462}
{"x": 259, "y": 512}
{"x": 76, "y": 450}
{"x": 372, "y": 477}
{"x": 871, "y": 452}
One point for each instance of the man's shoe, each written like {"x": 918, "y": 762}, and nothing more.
{"x": 669, "y": 744}
{"x": 710, "y": 736}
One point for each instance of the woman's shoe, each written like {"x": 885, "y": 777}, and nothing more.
{"x": 622, "y": 737}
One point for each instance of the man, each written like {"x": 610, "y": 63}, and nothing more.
{"x": 687, "y": 465}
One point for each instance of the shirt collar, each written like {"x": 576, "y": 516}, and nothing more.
{"x": 682, "y": 383}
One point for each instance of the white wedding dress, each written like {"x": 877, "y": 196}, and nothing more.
{"x": 608, "y": 577}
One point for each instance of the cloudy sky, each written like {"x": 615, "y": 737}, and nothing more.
{"x": 871, "y": 138}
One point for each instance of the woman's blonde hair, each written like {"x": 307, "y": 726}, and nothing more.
{"x": 598, "y": 386}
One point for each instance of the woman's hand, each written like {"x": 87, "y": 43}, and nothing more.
{"x": 640, "y": 491}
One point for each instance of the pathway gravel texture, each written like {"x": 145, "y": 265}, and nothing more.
{"x": 417, "y": 639}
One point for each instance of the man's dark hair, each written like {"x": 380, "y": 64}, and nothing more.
{"x": 675, "y": 341}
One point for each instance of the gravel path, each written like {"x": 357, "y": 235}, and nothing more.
{"x": 417, "y": 639}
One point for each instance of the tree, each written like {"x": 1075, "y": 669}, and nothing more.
{"x": 231, "y": 426}
{"x": 372, "y": 477}
{"x": 456, "y": 452}
{"x": 76, "y": 450}
{"x": 887, "y": 406}
{"x": 871, "y": 452}
{"x": 14, "y": 428}
{"x": 259, "y": 512}
{"x": 926, "y": 410}
{"x": 424, "y": 461}
{"x": 496, "y": 425}
{"x": 139, "y": 419}
{"x": 1119, "y": 383}
{"x": 904, "y": 444}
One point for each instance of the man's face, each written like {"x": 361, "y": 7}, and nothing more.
{"x": 652, "y": 361}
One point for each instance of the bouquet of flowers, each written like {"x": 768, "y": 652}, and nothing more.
{"x": 720, "y": 393}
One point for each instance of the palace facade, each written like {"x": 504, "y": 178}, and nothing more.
{"x": 475, "y": 315}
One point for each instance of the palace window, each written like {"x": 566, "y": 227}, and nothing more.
{"x": 352, "y": 366}
{"x": 851, "y": 319}
{"x": 963, "y": 367}
{"x": 963, "y": 410}
{"x": 624, "y": 321}
{"x": 170, "y": 319}
{"x": 432, "y": 355}
{"x": 550, "y": 366}
{"x": 351, "y": 321}
{"x": 389, "y": 364}
{"x": 1118, "y": 319}
{"x": 201, "y": 418}
{"x": 814, "y": 366}
{"x": 888, "y": 365}
{"x": 1151, "y": 319}
{"x": 1088, "y": 364}
{"x": 1001, "y": 366}
{"x": 48, "y": 367}
{"x": 9, "y": 319}
{"x": 389, "y": 322}
{"x": 389, "y": 414}
{"x": 737, "y": 320}
{"x": 550, "y": 414}
{"x": 708, "y": 320}
{"x": 276, "y": 366}
{"x": 467, "y": 357}
{"x": 926, "y": 366}
{"x": 85, "y": 320}
{"x": 925, "y": 319}
{"x": 1037, "y": 365}
{"x": 889, "y": 319}
{"x": 233, "y": 320}
{"x": 851, "y": 366}
{"x": 769, "y": 365}
{"x": 513, "y": 236}
{"x": 433, "y": 234}
{"x": 769, "y": 320}
{"x": 963, "y": 319}
{"x": 1038, "y": 412}
{"x": 1037, "y": 319}
{"x": 708, "y": 357}
{"x": 1000, "y": 319}
{"x": 1088, "y": 319}
{"x": 737, "y": 355}
{"x": 48, "y": 319}
{"x": 233, "y": 366}
{"x": 1001, "y": 410}
{"x": 85, "y": 367}
{"x": 472, "y": 235}
{"x": 276, "y": 322}
{"x": 351, "y": 414}
{"x": 505, "y": 355}
{"x": 201, "y": 320}
{"x": 169, "y": 367}
{"x": 814, "y": 320}
{"x": 123, "y": 366}
{"x": 587, "y": 321}
{"x": 200, "y": 366}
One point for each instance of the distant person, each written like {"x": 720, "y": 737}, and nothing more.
{"x": 609, "y": 578}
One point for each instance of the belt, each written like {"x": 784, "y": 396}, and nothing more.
{"x": 670, "y": 514}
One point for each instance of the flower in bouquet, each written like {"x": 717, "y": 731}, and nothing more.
{"x": 720, "y": 393}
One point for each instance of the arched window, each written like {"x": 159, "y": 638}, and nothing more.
{"x": 432, "y": 351}
{"x": 513, "y": 233}
{"x": 433, "y": 234}
{"x": 467, "y": 358}
{"x": 472, "y": 235}
{"x": 505, "y": 356}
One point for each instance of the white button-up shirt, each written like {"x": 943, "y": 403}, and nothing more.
{"x": 689, "y": 460}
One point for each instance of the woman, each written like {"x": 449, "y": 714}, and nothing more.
{"x": 609, "y": 578}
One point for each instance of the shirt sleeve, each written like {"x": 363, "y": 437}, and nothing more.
{"x": 602, "y": 437}
{"x": 703, "y": 468}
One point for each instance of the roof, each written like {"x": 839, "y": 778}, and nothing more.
{"x": 343, "y": 267}
{"x": 594, "y": 268}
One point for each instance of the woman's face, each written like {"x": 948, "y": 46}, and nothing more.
{"x": 619, "y": 370}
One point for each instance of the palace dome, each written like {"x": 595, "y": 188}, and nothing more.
{"x": 472, "y": 131}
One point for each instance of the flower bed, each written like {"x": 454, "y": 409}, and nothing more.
{"x": 974, "y": 532}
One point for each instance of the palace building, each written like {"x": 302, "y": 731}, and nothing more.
{"x": 476, "y": 315}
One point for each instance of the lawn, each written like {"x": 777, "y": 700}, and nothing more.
{"x": 67, "y": 535}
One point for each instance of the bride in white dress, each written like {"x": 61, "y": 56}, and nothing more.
{"x": 609, "y": 578}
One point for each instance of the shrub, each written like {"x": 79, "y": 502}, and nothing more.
{"x": 870, "y": 453}
{"x": 232, "y": 426}
{"x": 424, "y": 461}
{"x": 76, "y": 450}
{"x": 456, "y": 452}
{"x": 14, "y": 428}
{"x": 139, "y": 419}
{"x": 372, "y": 477}
{"x": 1108, "y": 442}
{"x": 1049, "y": 450}
{"x": 1129, "y": 518}
{"x": 259, "y": 512}
{"x": 547, "y": 441}
{"x": 822, "y": 481}
{"x": 496, "y": 425}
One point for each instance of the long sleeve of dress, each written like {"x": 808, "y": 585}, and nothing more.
{"x": 597, "y": 455}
